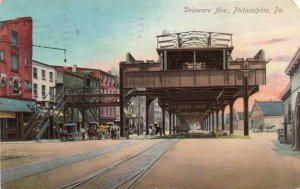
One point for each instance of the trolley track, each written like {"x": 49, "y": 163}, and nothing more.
{"x": 125, "y": 172}
{"x": 28, "y": 170}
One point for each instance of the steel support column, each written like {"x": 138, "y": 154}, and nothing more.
{"x": 213, "y": 122}
{"x": 174, "y": 123}
{"x": 163, "y": 119}
{"x": 246, "y": 101}
{"x": 209, "y": 122}
{"x": 231, "y": 117}
{"x": 83, "y": 118}
{"x": 170, "y": 122}
{"x": 223, "y": 125}
{"x": 148, "y": 102}
{"x": 217, "y": 119}
{"x": 122, "y": 105}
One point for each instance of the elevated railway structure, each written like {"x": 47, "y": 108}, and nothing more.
{"x": 65, "y": 106}
{"x": 194, "y": 79}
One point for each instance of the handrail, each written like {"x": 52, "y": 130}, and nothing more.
{"x": 41, "y": 132}
{"x": 33, "y": 121}
{"x": 195, "y": 38}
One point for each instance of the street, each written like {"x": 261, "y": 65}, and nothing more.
{"x": 258, "y": 162}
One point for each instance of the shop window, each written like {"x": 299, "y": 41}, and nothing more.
{"x": 14, "y": 63}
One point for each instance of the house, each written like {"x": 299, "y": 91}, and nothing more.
{"x": 238, "y": 121}
{"x": 16, "y": 103}
{"x": 43, "y": 81}
{"x": 291, "y": 100}
{"x": 267, "y": 115}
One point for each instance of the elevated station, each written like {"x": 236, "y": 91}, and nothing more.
{"x": 194, "y": 79}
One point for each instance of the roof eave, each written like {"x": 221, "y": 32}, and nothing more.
{"x": 288, "y": 69}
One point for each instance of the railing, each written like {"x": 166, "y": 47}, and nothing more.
{"x": 44, "y": 125}
{"x": 40, "y": 115}
{"x": 194, "y": 39}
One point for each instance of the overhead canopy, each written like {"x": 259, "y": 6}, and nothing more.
{"x": 12, "y": 105}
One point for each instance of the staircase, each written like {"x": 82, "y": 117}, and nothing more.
{"x": 40, "y": 121}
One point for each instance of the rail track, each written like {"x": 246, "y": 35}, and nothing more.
{"x": 127, "y": 171}
{"x": 28, "y": 170}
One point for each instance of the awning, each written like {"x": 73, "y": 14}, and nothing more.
{"x": 12, "y": 105}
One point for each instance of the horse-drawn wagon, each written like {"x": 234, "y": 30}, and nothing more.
{"x": 70, "y": 131}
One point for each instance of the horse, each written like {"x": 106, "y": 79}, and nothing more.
{"x": 92, "y": 134}
{"x": 115, "y": 132}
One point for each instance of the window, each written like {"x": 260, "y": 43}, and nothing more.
{"x": 35, "y": 90}
{"x": 26, "y": 62}
{"x": 27, "y": 85}
{"x": 51, "y": 92}
{"x": 35, "y": 73}
{"x": 1, "y": 55}
{"x": 43, "y": 75}
{"x": 43, "y": 90}
{"x": 51, "y": 76}
{"x": 14, "y": 38}
{"x": 14, "y": 63}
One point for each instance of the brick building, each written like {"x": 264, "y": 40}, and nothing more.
{"x": 16, "y": 101}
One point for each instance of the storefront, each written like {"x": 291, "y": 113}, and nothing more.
{"x": 14, "y": 115}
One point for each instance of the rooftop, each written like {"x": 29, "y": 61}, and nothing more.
{"x": 271, "y": 108}
{"x": 295, "y": 62}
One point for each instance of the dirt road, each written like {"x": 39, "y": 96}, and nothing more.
{"x": 259, "y": 162}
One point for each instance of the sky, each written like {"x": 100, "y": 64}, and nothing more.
{"x": 98, "y": 33}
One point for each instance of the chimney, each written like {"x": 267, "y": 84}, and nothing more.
{"x": 74, "y": 68}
